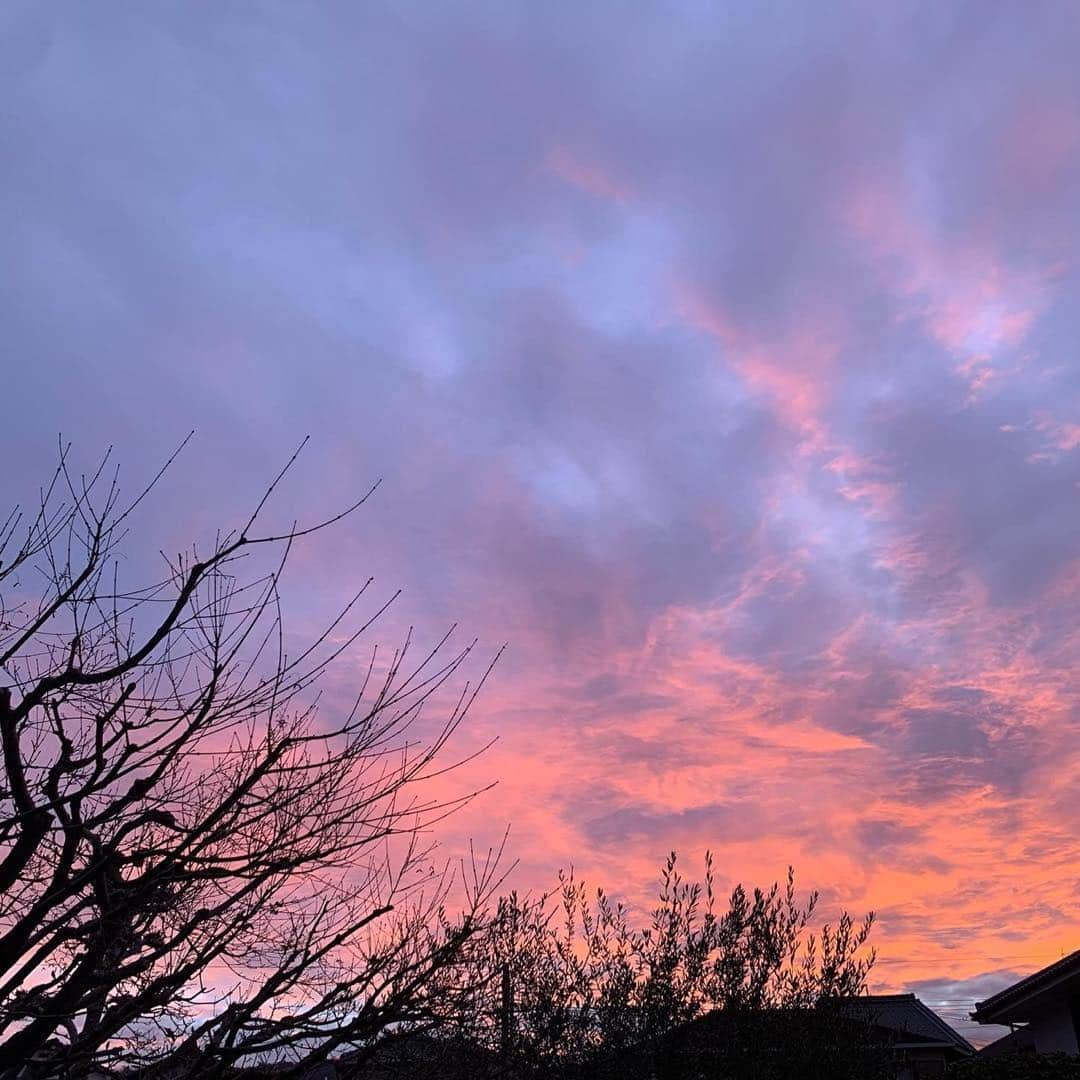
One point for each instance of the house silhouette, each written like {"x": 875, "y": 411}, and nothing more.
{"x": 1047, "y": 1003}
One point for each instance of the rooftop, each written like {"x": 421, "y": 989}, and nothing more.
{"x": 1010, "y": 1005}
{"x": 907, "y": 1015}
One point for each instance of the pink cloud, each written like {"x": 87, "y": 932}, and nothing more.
{"x": 736, "y": 755}
{"x": 970, "y": 301}
{"x": 1061, "y": 434}
{"x": 791, "y": 370}
{"x": 586, "y": 174}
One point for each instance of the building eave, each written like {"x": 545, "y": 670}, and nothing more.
{"x": 1005, "y": 1003}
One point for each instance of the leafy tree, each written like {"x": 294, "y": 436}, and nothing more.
{"x": 198, "y": 869}
{"x": 742, "y": 989}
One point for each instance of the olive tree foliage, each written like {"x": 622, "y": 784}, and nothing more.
{"x": 197, "y": 868}
{"x": 593, "y": 992}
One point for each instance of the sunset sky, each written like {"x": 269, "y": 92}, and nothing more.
{"x": 722, "y": 359}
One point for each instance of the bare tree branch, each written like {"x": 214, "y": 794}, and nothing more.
{"x": 198, "y": 867}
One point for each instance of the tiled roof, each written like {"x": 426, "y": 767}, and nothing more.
{"x": 1068, "y": 967}
{"x": 906, "y": 1014}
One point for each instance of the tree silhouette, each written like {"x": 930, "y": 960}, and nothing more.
{"x": 702, "y": 988}
{"x": 197, "y": 869}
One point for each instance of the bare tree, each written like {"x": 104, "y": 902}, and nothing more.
{"x": 198, "y": 870}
